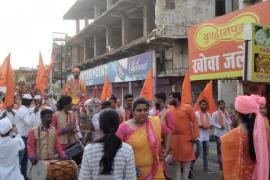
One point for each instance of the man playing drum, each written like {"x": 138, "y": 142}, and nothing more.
{"x": 75, "y": 87}
{"x": 42, "y": 145}
{"x": 43, "y": 140}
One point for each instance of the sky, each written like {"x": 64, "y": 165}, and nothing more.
{"x": 27, "y": 27}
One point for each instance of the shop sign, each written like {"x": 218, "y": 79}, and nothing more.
{"x": 216, "y": 48}
{"x": 258, "y": 56}
{"x": 128, "y": 69}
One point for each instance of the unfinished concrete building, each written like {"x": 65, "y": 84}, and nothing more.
{"x": 118, "y": 29}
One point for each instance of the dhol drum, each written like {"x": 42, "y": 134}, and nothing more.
{"x": 75, "y": 152}
{"x": 53, "y": 170}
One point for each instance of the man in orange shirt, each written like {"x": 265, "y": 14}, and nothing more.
{"x": 185, "y": 132}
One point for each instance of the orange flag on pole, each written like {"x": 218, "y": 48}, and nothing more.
{"x": 147, "y": 90}
{"x": 40, "y": 74}
{"x": 47, "y": 73}
{"x": 7, "y": 81}
{"x": 186, "y": 90}
{"x": 207, "y": 94}
{"x": 106, "y": 90}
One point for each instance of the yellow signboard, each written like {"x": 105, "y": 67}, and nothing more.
{"x": 258, "y": 56}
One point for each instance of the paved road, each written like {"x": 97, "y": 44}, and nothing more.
{"x": 198, "y": 174}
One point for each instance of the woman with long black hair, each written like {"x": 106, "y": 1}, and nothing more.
{"x": 244, "y": 149}
{"x": 108, "y": 157}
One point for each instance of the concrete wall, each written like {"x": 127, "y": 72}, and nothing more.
{"x": 227, "y": 92}
{"x": 172, "y": 60}
{"x": 173, "y": 22}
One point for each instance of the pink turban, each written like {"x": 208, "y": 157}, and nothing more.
{"x": 259, "y": 99}
{"x": 248, "y": 105}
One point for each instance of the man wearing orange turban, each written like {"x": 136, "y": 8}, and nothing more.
{"x": 75, "y": 87}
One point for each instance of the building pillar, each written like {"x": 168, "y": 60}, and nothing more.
{"x": 97, "y": 9}
{"x": 146, "y": 18}
{"x": 109, "y": 4}
{"x": 78, "y": 54}
{"x": 228, "y": 6}
{"x": 245, "y": 3}
{"x": 130, "y": 87}
{"x": 155, "y": 75}
{"x": 85, "y": 22}
{"x": 125, "y": 25}
{"x": 239, "y": 84}
{"x": 85, "y": 49}
{"x": 77, "y": 26}
{"x": 108, "y": 38}
{"x": 95, "y": 44}
{"x": 240, "y": 88}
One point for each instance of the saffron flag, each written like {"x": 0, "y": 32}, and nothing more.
{"x": 147, "y": 90}
{"x": 186, "y": 90}
{"x": 43, "y": 74}
{"x": 41, "y": 71}
{"x": 47, "y": 73}
{"x": 207, "y": 94}
{"x": 106, "y": 90}
{"x": 7, "y": 81}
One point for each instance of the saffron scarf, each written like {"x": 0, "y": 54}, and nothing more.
{"x": 204, "y": 120}
{"x": 220, "y": 117}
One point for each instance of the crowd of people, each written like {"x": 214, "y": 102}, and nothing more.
{"x": 136, "y": 141}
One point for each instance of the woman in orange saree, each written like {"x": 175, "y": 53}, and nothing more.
{"x": 144, "y": 135}
{"x": 244, "y": 150}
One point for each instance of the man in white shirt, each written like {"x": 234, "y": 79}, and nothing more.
{"x": 9, "y": 148}
{"x": 36, "y": 109}
{"x": 222, "y": 123}
{"x": 98, "y": 132}
{"x": 52, "y": 102}
{"x": 25, "y": 119}
{"x": 202, "y": 143}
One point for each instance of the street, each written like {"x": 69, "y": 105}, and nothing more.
{"x": 198, "y": 173}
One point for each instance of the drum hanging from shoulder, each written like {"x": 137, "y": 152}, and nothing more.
{"x": 53, "y": 170}
{"x": 75, "y": 152}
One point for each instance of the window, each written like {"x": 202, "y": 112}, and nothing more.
{"x": 220, "y": 7}
{"x": 170, "y": 4}
{"x": 226, "y": 6}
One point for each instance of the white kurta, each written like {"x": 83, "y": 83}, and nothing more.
{"x": 25, "y": 120}
{"x": 9, "y": 158}
{"x": 216, "y": 123}
{"x": 204, "y": 133}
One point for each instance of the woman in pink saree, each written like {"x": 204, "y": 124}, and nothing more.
{"x": 144, "y": 134}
